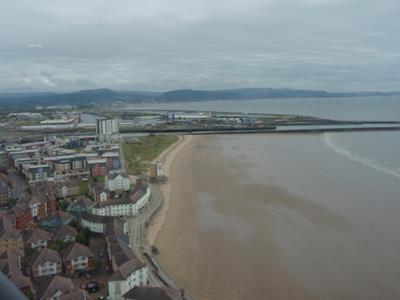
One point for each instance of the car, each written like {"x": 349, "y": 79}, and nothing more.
{"x": 93, "y": 287}
{"x": 100, "y": 298}
{"x": 80, "y": 274}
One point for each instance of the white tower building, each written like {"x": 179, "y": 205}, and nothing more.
{"x": 107, "y": 130}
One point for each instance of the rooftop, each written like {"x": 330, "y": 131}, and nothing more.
{"x": 76, "y": 250}
{"x": 45, "y": 255}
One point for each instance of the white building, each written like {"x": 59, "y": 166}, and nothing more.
{"x": 47, "y": 262}
{"x": 117, "y": 182}
{"x": 95, "y": 223}
{"x": 107, "y": 130}
{"x": 130, "y": 274}
{"x": 121, "y": 207}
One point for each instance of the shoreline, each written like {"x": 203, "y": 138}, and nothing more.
{"x": 167, "y": 158}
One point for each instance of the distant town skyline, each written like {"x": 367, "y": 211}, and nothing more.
{"x": 155, "y": 45}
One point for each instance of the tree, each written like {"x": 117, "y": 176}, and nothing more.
{"x": 81, "y": 238}
{"x": 74, "y": 223}
{"x": 56, "y": 245}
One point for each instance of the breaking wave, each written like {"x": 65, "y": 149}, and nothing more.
{"x": 366, "y": 161}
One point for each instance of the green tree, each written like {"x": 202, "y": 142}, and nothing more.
{"x": 56, "y": 245}
{"x": 81, "y": 238}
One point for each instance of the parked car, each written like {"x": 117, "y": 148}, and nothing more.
{"x": 93, "y": 287}
{"x": 83, "y": 274}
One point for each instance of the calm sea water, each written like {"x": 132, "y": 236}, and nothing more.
{"x": 347, "y": 245}
{"x": 343, "y": 241}
{"x": 362, "y": 108}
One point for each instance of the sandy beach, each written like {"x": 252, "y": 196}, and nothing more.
{"x": 166, "y": 157}
{"x": 208, "y": 263}
{"x": 247, "y": 217}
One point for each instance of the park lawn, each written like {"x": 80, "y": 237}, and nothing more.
{"x": 83, "y": 187}
{"x": 140, "y": 153}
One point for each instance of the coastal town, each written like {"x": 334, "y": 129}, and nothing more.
{"x": 72, "y": 218}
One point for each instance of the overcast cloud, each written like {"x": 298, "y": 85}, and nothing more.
{"x": 337, "y": 45}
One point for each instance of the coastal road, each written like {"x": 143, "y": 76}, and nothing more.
{"x": 18, "y": 181}
{"x": 138, "y": 243}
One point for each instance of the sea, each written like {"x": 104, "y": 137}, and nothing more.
{"x": 341, "y": 239}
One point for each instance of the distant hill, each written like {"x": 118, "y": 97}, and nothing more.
{"x": 79, "y": 98}
{"x": 107, "y": 96}
{"x": 256, "y": 93}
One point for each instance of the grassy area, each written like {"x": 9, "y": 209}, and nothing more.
{"x": 83, "y": 187}
{"x": 25, "y": 122}
{"x": 139, "y": 154}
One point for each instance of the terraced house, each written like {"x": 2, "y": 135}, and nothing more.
{"x": 77, "y": 257}
{"x": 10, "y": 237}
{"x": 36, "y": 238}
{"x": 130, "y": 205}
{"x": 65, "y": 233}
{"x": 46, "y": 262}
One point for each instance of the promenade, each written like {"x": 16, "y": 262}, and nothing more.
{"x": 137, "y": 240}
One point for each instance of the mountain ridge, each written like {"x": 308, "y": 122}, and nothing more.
{"x": 107, "y": 96}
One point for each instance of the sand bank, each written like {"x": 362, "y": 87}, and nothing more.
{"x": 166, "y": 157}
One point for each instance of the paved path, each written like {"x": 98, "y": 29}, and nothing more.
{"x": 137, "y": 240}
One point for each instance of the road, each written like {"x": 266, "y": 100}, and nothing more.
{"x": 18, "y": 181}
{"x": 138, "y": 243}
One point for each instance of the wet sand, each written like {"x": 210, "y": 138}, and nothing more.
{"x": 277, "y": 217}
{"x": 219, "y": 255}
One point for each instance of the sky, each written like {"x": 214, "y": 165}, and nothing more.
{"x": 159, "y": 45}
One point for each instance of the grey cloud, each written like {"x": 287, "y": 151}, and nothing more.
{"x": 160, "y": 45}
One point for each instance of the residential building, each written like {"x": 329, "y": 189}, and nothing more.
{"x": 152, "y": 293}
{"x": 37, "y": 238}
{"x": 46, "y": 262}
{"x": 80, "y": 205}
{"x": 23, "y": 216}
{"x": 57, "y": 220}
{"x": 130, "y": 205}
{"x": 95, "y": 223}
{"x": 117, "y": 182}
{"x": 14, "y": 256}
{"x": 42, "y": 206}
{"x": 36, "y": 172}
{"x": 113, "y": 161}
{"x": 5, "y": 190}
{"x": 97, "y": 167}
{"x": 77, "y": 257}
{"x": 10, "y": 237}
{"x": 75, "y": 294}
{"x": 53, "y": 288}
{"x": 130, "y": 274}
{"x": 107, "y": 130}
{"x": 99, "y": 193}
{"x": 65, "y": 233}
{"x": 67, "y": 189}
